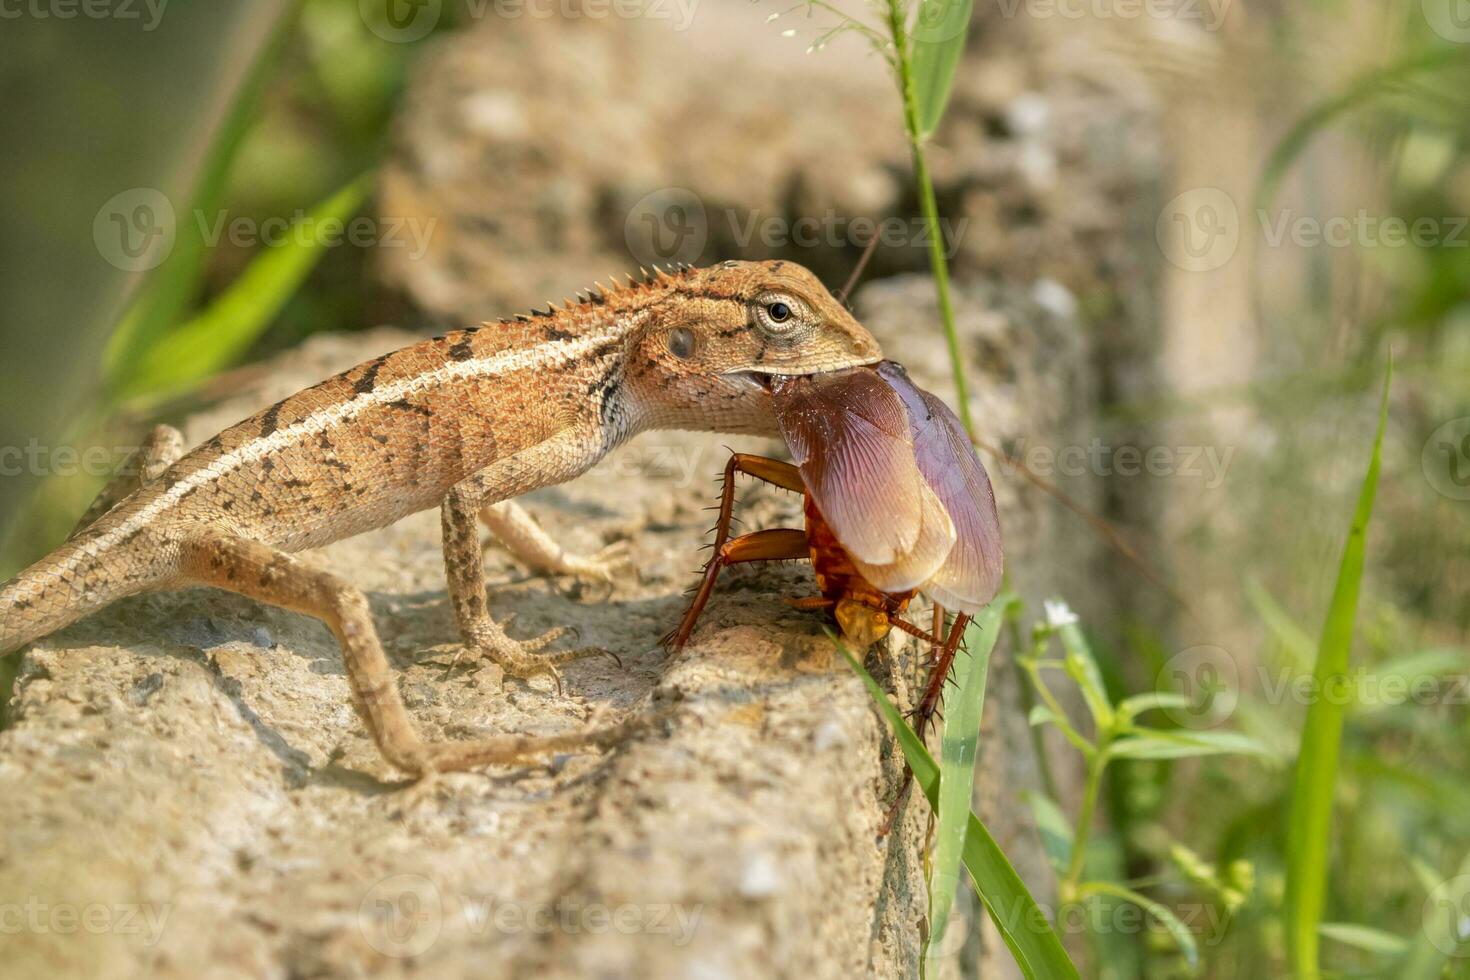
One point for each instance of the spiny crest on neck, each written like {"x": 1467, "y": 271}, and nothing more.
{"x": 599, "y": 295}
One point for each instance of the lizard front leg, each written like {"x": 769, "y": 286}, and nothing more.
{"x": 518, "y": 531}
{"x": 163, "y": 448}
{"x": 465, "y": 573}
{"x": 255, "y": 570}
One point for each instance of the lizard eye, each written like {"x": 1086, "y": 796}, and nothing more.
{"x": 780, "y": 314}
{"x": 681, "y": 343}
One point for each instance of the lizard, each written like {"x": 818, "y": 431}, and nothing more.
{"x": 467, "y": 421}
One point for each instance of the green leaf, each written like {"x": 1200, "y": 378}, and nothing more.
{"x": 1367, "y": 939}
{"x": 1040, "y": 714}
{"x": 1295, "y": 642}
{"x": 957, "y": 765}
{"x": 1056, "y": 832}
{"x": 1376, "y": 83}
{"x": 1154, "y": 744}
{"x": 1309, "y": 827}
{"x": 939, "y": 42}
{"x": 1131, "y": 708}
{"x": 1021, "y": 923}
{"x": 220, "y": 334}
{"x": 1082, "y": 668}
{"x": 1180, "y": 933}
{"x": 168, "y": 290}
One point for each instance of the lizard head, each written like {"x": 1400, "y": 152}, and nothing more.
{"x": 715, "y": 337}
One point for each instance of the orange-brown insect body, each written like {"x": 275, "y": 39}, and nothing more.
{"x": 864, "y": 612}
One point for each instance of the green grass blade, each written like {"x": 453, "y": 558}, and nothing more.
{"x": 1371, "y": 86}
{"x": 939, "y": 41}
{"x": 1056, "y": 832}
{"x": 1160, "y": 744}
{"x": 1365, "y": 938}
{"x": 1296, "y": 644}
{"x": 168, "y": 290}
{"x": 1162, "y": 914}
{"x": 1024, "y": 927}
{"x": 957, "y": 765}
{"x": 219, "y": 335}
{"x": 1310, "y": 819}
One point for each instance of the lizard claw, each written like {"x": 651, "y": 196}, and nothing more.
{"x": 548, "y": 638}
{"x": 525, "y": 660}
{"x": 603, "y": 567}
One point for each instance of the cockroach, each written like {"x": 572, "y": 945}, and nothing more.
{"x": 896, "y": 504}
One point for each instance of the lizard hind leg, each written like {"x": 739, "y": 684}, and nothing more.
{"x": 262, "y": 573}
{"x": 163, "y": 447}
{"x": 513, "y": 527}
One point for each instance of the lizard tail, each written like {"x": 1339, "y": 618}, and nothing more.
{"x": 72, "y": 582}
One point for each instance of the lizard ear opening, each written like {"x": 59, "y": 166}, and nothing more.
{"x": 682, "y": 343}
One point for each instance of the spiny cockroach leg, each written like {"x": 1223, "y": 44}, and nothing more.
{"x": 777, "y": 545}
{"x": 928, "y": 708}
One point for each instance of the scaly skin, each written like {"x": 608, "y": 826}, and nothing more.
{"x": 466, "y": 421}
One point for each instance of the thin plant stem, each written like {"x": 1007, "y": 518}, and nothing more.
{"x": 937, "y": 263}
{"x": 1096, "y": 763}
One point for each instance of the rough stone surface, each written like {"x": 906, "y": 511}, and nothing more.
{"x": 187, "y": 789}
{"x": 1046, "y": 165}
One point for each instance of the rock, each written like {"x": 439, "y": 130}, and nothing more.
{"x": 1045, "y": 166}
{"x": 199, "y": 801}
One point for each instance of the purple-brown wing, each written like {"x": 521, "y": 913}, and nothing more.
{"x": 852, "y": 439}
{"x": 971, "y": 574}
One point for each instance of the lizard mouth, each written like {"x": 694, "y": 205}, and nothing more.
{"x": 753, "y": 380}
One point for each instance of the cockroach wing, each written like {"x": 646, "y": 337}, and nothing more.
{"x": 970, "y": 575}
{"x": 852, "y": 440}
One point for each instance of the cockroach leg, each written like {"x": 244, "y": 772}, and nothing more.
{"x": 811, "y": 603}
{"x": 912, "y": 630}
{"x": 930, "y": 701}
{"x": 939, "y": 672}
{"x": 775, "y": 544}
{"x": 763, "y": 468}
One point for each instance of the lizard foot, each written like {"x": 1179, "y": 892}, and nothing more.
{"x": 526, "y": 659}
{"x": 604, "y": 566}
{"x": 516, "y": 749}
